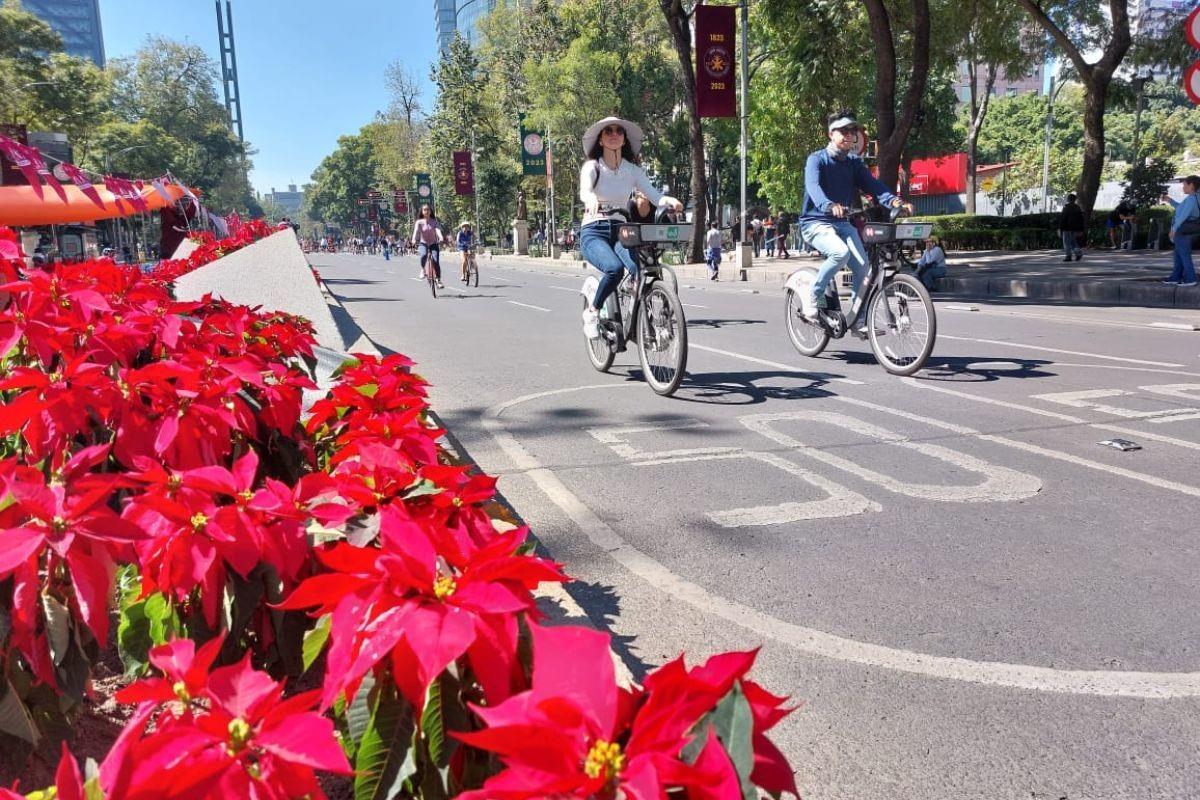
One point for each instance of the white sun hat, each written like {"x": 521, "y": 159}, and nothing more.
{"x": 633, "y": 133}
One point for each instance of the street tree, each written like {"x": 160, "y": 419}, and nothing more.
{"x": 460, "y": 112}
{"x": 1078, "y": 28}
{"x": 678, "y": 14}
{"x": 342, "y": 177}
{"x": 404, "y": 91}
{"x": 1146, "y": 182}
{"x": 890, "y": 25}
{"x": 992, "y": 38}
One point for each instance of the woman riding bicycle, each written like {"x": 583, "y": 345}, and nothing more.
{"x": 465, "y": 241}
{"x": 427, "y": 237}
{"x": 607, "y": 180}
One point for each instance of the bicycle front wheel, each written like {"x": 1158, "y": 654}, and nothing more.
{"x": 473, "y": 275}
{"x": 662, "y": 340}
{"x": 902, "y": 325}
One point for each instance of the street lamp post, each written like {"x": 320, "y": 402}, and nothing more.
{"x": 1054, "y": 90}
{"x": 745, "y": 249}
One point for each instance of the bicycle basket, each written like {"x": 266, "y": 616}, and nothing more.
{"x": 913, "y": 231}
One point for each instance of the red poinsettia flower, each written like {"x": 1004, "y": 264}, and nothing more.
{"x": 406, "y": 601}
{"x": 234, "y": 737}
{"x": 577, "y": 734}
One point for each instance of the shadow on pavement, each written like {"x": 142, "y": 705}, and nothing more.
{"x": 743, "y": 388}
{"x": 345, "y": 299}
{"x": 723, "y": 323}
{"x": 349, "y": 281}
{"x": 982, "y": 369}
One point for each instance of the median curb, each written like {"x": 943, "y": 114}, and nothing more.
{"x": 1142, "y": 293}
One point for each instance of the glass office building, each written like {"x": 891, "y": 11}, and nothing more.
{"x": 459, "y": 15}
{"x": 76, "y": 21}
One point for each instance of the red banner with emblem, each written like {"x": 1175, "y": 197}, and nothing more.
{"x": 716, "y": 84}
{"x": 464, "y": 173}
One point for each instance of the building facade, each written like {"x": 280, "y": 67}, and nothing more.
{"x": 1004, "y": 86}
{"x": 76, "y": 21}
{"x": 459, "y": 15}
{"x": 290, "y": 201}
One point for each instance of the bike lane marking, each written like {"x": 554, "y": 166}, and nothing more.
{"x": 1104, "y": 683}
{"x": 825, "y": 376}
{"x": 1063, "y": 352}
{"x": 527, "y": 305}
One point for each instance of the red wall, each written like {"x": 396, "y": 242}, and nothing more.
{"x": 941, "y": 175}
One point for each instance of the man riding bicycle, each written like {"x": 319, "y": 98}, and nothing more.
{"x": 465, "y": 242}
{"x": 833, "y": 178}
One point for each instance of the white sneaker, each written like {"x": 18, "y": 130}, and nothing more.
{"x": 1189, "y": 283}
{"x": 591, "y": 323}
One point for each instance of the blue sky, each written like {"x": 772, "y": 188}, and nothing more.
{"x": 309, "y": 70}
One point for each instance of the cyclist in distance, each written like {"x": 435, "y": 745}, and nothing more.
{"x": 833, "y": 178}
{"x": 465, "y": 241}
{"x": 427, "y": 237}
{"x": 610, "y": 176}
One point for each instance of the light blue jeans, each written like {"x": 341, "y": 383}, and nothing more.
{"x": 839, "y": 242}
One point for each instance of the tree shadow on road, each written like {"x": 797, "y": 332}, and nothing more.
{"x": 349, "y": 281}
{"x": 981, "y": 369}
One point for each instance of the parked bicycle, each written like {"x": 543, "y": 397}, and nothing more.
{"x": 646, "y": 308}
{"x": 891, "y": 310}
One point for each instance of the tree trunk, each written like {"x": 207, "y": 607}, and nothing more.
{"x": 681, "y": 37}
{"x": 978, "y": 114}
{"x": 893, "y": 129}
{"x": 1096, "y": 79}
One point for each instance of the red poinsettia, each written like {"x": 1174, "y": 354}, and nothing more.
{"x": 406, "y": 601}
{"x": 224, "y": 733}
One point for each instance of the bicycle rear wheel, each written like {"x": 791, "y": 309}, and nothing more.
{"x": 431, "y": 278}
{"x": 902, "y": 339}
{"x": 473, "y": 275}
{"x": 600, "y": 350}
{"x": 662, "y": 339}
{"x": 809, "y": 338}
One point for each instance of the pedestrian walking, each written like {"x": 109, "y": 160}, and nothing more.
{"x": 769, "y": 235}
{"x": 1184, "y": 227}
{"x": 783, "y": 229}
{"x": 755, "y": 232}
{"x": 712, "y": 246}
{"x": 1071, "y": 226}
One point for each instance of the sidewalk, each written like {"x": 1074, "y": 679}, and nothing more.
{"x": 1103, "y": 277}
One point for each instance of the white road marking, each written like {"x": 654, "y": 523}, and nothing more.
{"x": 1151, "y": 480}
{"x": 1055, "y": 350}
{"x": 1176, "y": 326}
{"x": 616, "y": 439}
{"x": 1082, "y": 400}
{"x": 825, "y": 376}
{"x": 574, "y": 289}
{"x": 527, "y": 305}
{"x": 1000, "y": 484}
{"x": 693, "y": 305}
{"x": 957, "y": 307}
{"x": 1107, "y": 683}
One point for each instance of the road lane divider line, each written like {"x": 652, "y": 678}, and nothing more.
{"x": 1063, "y": 352}
{"x": 775, "y": 365}
{"x": 1104, "y": 683}
{"x": 527, "y": 305}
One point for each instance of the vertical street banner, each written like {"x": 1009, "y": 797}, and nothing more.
{"x": 424, "y": 189}
{"x": 716, "y": 32}
{"x": 533, "y": 152}
{"x": 464, "y": 173}
{"x": 399, "y": 201}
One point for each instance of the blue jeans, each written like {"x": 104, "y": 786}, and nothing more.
{"x": 839, "y": 242}
{"x": 1185, "y": 269}
{"x": 600, "y": 248}
{"x": 431, "y": 251}
{"x": 387, "y": 254}
{"x": 714, "y": 259}
{"x": 929, "y": 274}
{"x": 1071, "y": 243}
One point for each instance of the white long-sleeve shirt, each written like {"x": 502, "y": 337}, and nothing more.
{"x": 712, "y": 239}
{"x": 613, "y": 188}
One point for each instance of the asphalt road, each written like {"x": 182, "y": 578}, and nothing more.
{"x": 970, "y": 596}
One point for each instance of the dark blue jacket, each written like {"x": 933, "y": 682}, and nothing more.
{"x": 829, "y": 180}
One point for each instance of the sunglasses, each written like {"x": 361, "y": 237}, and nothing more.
{"x": 613, "y": 130}
{"x": 848, "y": 130}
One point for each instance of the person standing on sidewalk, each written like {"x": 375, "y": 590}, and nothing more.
{"x": 1184, "y": 228}
{"x": 783, "y": 229}
{"x": 1071, "y": 226}
{"x": 769, "y": 235}
{"x": 755, "y": 232}
{"x": 712, "y": 248}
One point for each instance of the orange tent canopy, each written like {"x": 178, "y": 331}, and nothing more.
{"x": 21, "y": 207}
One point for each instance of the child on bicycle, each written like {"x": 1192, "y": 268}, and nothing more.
{"x": 609, "y": 177}
{"x": 833, "y": 178}
{"x": 466, "y": 243}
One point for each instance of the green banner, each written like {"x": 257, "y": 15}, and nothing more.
{"x": 424, "y": 189}
{"x": 533, "y": 152}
